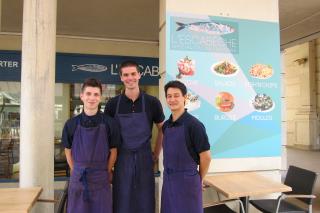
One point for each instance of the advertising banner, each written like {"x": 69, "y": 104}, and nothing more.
{"x": 232, "y": 70}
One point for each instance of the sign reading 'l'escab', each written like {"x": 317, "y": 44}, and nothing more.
{"x": 74, "y": 68}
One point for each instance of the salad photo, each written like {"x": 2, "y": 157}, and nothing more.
{"x": 224, "y": 68}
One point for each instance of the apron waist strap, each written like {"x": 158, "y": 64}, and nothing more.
{"x": 170, "y": 171}
{"x": 90, "y": 165}
{"x": 144, "y": 147}
{"x": 84, "y": 169}
{"x": 84, "y": 180}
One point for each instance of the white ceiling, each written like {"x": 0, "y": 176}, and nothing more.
{"x": 138, "y": 19}
{"x": 299, "y": 21}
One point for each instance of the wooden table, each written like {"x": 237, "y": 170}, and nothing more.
{"x": 243, "y": 185}
{"x": 18, "y": 200}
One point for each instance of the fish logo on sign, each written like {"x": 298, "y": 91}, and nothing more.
{"x": 211, "y": 28}
{"x": 90, "y": 67}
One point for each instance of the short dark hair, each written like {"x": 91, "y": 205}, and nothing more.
{"x": 91, "y": 82}
{"x": 128, "y": 63}
{"x": 176, "y": 84}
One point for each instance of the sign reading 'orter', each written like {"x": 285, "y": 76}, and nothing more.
{"x": 9, "y": 64}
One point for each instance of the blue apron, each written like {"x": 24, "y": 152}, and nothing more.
{"x": 133, "y": 184}
{"x": 181, "y": 190}
{"x": 89, "y": 189}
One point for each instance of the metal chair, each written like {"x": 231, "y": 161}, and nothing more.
{"x": 302, "y": 182}
{"x": 61, "y": 203}
{"x": 221, "y": 207}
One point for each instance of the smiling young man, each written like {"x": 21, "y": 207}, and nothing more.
{"x": 185, "y": 146}
{"x": 90, "y": 141}
{"x": 135, "y": 111}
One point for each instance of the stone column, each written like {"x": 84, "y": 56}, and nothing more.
{"x": 37, "y": 98}
{"x": 162, "y": 71}
{"x": 301, "y": 96}
{"x": 0, "y": 14}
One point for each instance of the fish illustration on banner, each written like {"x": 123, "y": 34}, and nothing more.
{"x": 89, "y": 67}
{"x": 211, "y": 28}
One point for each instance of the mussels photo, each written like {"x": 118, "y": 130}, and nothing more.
{"x": 262, "y": 103}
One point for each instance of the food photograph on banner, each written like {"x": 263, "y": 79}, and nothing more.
{"x": 231, "y": 69}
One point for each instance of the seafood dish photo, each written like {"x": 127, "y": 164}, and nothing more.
{"x": 186, "y": 67}
{"x": 224, "y": 68}
{"x": 224, "y": 102}
{"x": 192, "y": 102}
{"x": 208, "y": 27}
{"x": 262, "y": 103}
{"x": 261, "y": 71}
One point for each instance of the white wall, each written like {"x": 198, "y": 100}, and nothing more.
{"x": 69, "y": 44}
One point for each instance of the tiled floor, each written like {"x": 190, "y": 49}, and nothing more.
{"x": 308, "y": 160}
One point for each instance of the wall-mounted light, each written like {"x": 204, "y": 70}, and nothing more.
{"x": 300, "y": 61}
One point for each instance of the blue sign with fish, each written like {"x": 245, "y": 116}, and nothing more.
{"x": 232, "y": 70}
{"x": 74, "y": 68}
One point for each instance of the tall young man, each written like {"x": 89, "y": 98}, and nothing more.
{"x": 185, "y": 146}
{"x": 90, "y": 141}
{"x": 135, "y": 111}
